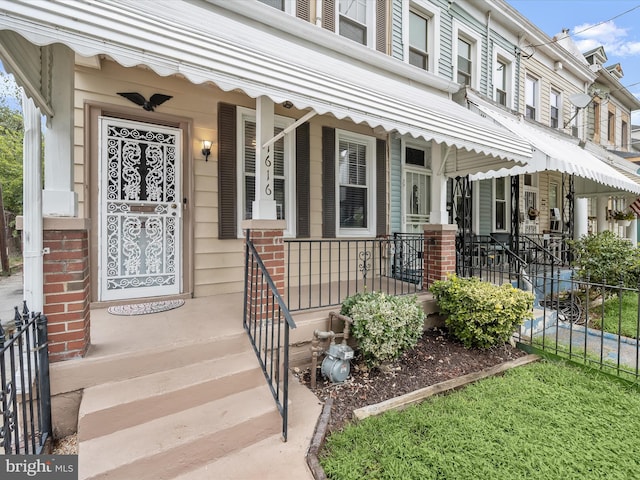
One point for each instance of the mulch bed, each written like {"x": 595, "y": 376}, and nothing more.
{"x": 436, "y": 358}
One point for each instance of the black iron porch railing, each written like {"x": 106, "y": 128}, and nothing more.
{"x": 501, "y": 257}
{"x": 323, "y": 273}
{"x": 25, "y": 398}
{"x": 267, "y": 321}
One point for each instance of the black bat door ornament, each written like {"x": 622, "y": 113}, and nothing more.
{"x": 150, "y": 105}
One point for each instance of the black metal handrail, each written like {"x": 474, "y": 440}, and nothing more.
{"x": 264, "y": 311}
{"x": 25, "y": 395}
{"x": 322, "y": 273}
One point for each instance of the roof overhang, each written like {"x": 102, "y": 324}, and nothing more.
{"x": 205, "y": 42}
{"x": 559, "y": 153}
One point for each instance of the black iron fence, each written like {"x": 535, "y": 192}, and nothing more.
{"x": 267, "y": 321}
{"x": 25, "y": 395}
{"x": 593, "y": 323}
{"x": 323, "y": 273}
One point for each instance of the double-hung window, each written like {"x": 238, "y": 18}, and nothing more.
{"x": 418, "y": 40}
{"x": 554, "y": 113}
{"x": 353, "y": 19}
{"x": 465, "y": 63}
{"x": 531, "y": 97}
{"x": 611, "y": 127}
{"x": 355, "y": 183}
{"x": 624, "y": 133}
{"x": 500, "y": 203}
{"x": 500, "y": 82}
{"x": 282, "y": 155}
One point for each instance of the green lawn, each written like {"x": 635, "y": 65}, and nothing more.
{"x": 547, "y": 420}
{"x": 612, "y": 313}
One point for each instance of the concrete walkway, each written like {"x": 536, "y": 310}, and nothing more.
{"x": 614, "y": 350}
{"x": 11, "y": 295}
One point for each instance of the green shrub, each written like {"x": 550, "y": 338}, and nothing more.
{"x": 384, "y": 326}
{"x": 606, "y": 258}
{"x": 481, "y": 314}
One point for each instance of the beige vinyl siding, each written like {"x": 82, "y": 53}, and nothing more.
{"x": 217, "y": 265}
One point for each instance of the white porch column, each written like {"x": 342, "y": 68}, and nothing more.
{"x": 32, "y": 186}
{"x": 264, "y": 205}
{"x": 603, "y": 221}
{"x": 632, "y": 232}
{"x": 58, "y": 197}
{"x": 438, "y": 214}
{"x": 580, "y": 217}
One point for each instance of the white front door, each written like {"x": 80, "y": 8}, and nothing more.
{"x": 140, "y": 210}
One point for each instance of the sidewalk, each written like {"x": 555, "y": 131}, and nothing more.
{"x": 11, "y": 295}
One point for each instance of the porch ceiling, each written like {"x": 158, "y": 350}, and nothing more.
{"x": 204, "y": 42}
{"x": 553, "y": 153}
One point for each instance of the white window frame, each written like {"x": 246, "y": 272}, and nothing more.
{"x": 405, "y": 167}
{"x": 476, "y": 43}
{"x": 555, "y": 91}
{"x": 502, "y": 56}
{"x": 370, "y": 23}
{"x": 370, "y": 143}
{"x": 425, "y": 9}
{"x": 243, "y": 114}
{"x": 536, "y": 95}
{"x": 506, "y": 201}
{"x": 289, "y": 6}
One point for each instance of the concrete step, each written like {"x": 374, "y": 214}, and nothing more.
{"x": 174, "y": 444}
{"x": 114, "y": 406}
{"x": 270, "y": 458}
{"x": 96, "y": 369}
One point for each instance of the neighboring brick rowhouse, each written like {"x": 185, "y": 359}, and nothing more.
{"x": 66, "y": 293}
{"x": 440, "y": 252}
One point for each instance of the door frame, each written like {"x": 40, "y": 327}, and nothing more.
{"x": 91, "y": 203}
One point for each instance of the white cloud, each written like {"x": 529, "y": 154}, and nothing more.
{"x": 613, "y": 38}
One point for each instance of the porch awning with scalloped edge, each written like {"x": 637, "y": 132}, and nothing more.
{"x": 206, "y": 42}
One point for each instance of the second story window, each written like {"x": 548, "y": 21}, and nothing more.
{"x": 611, "y": 127}
{"x": 464, "y": 62}
{"x": 624, "y": 133}
{"x": 531, "y": 97}
{"x": 353, "y": 18}
{"x": 500, "y": 83}
{"x": 596, "y": 120}
{"x": 554, "y": 112}
{"x": 418, "y": 40}
{"x": 279, "y": 4}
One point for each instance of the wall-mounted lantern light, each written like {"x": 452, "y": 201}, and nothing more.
{"x": 206, "y": 149}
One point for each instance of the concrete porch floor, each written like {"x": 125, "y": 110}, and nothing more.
{"x": 123, "y": 340}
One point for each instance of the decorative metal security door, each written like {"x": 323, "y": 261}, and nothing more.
{"x": 140, "y": 210}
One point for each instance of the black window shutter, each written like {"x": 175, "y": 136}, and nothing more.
{"x": 381, "y": 187}
{"x": 303, "y": 153}
{"x": 328, "y": 182}
{"x": 227, "y": 195}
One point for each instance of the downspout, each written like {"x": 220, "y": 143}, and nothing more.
{"x": 318, "y": 13}
{"x": 32, "y": 227}
{"x": 489, "y": 60}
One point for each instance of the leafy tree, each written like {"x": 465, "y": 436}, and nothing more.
{"x": 11, "y": 136}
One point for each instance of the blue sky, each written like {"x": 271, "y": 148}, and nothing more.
{"x": 620, "y": 36}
